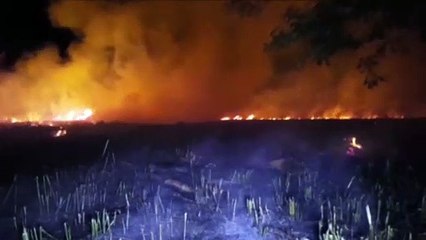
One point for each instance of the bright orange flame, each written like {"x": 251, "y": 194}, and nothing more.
{"x": 329, "y": 116}
{"x": 73, "y": 115}
{"x": 250, "y": 117}
{"x": 237, "y": 117}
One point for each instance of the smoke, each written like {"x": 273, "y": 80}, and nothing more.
{"x": 337, "y": 89}
{"x": 192, "y": 61}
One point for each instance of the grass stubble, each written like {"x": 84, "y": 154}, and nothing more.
{"x": 120, "y": 200}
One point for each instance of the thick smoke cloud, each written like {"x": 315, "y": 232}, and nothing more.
{"x": 337, "y": 89}
{"x": 193, "y": 61}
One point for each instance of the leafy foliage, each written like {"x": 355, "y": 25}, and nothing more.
{"x": 246, "y": 8}
{"x": 324, "y": 27}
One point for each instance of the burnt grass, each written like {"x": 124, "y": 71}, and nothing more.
{"x": 218, "y": 180}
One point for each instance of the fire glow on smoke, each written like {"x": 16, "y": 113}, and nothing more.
{"x": 155, "y": 61}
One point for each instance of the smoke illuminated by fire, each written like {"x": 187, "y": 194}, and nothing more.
{"x": 158, "y": 61}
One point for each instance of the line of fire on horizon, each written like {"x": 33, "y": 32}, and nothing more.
{"x": 70, "y": 116}
{"x": 325, "y": 117}
{"x": 86, "y": 115}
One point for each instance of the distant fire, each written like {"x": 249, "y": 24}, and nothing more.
{"x": 74, "y": 115}
{"x": 251, "y": 117}
{"x": 321, "y": 117}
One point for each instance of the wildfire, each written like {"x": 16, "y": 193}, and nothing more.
{"x": 237, "y": 117}
{"x": 251, "y": 117}
{"x": 321, "y": 117}
{"x": 74, "y": 115}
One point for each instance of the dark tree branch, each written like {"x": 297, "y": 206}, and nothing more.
{"x": 324, "y": 28}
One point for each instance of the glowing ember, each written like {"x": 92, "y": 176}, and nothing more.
{"x": 225, "y": 119}
{"x": 353, "y": 147}
{"x": 59, "y": 133}
{"x": 355, "y": 144}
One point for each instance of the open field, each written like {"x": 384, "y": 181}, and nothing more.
{"x": 226, "y": 180}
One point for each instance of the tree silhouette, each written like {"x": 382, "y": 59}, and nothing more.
{"x": 324, "y": 27}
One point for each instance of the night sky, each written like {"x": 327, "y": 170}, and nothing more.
{"x": 27, "y": 29}
{"x": 194, "y": 61}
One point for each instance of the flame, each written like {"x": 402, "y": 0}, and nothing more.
{"x": 314, "y": 117}
{"x": 136, "y": 66}
{"x": 73, "y": 115}
{"x": 237, "y": 117}
{"x": 354, "y": 144}
{"x": 250, "y": 117}
{"x": 59, "y": 133}
{"x": 353, "y": 147}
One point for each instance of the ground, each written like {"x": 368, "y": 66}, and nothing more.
{"x": 236, "y": 180}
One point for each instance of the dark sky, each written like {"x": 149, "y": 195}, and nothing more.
{"x": 25, "y": 27}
